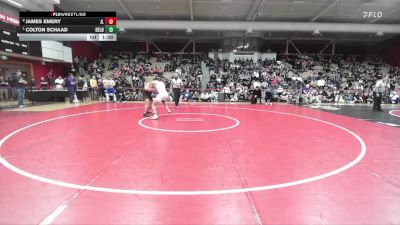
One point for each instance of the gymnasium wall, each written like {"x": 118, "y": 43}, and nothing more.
{"x": 391, "y": 52}
{"x": 86, "y": 49}
{"x": 38, "y": 69}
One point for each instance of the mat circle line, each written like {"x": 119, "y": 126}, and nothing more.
{"x": 140, "y": 122}
{"x": 391, "y": 112}
{"x": 17, "y": 170}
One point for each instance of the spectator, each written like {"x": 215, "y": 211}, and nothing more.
{"x": 20, "y": 87}
{"x": 109, "y": 85}
{"x": 187, "y": 95}
{"x": 94, "y": 88}
{"x": 43, "y": 83}
{"x": 50, "y": 78}
{"x": 71, "y": 87}
{"x": 13, "y": 81}
{"x": 81, "y": 84}
{"x": 196, "y": 96}
{"x": 268, "y": 95}
{"x": 205, "y": 97}
{"x": 4, "y": 86}
{"x": 256, "y": 95}
{"x": 32, "y": 84}
{"x": 59, "y": 82}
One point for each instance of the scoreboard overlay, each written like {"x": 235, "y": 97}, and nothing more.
{"x": 68, "y": 26}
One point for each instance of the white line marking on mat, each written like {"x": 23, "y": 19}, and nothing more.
{"x": 190, "y": 119}
{"x": 27, "y": 174}
{"x": 140, "y": 122}
{"x": 390, "y": 124}
{"x": 53, "y": 215}
{"x": 392, "y": 113}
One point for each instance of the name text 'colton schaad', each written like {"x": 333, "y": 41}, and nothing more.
{"x": 46, "y": 29}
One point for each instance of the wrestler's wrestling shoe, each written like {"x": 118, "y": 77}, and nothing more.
{"x": 146, "y": 114}
{"x": 154, "y": 117}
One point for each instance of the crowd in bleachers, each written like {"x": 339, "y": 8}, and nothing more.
{"x": 290, "y": 78}
{"x": 187, "y": 66}
{"x": 305, "y": 79}
{"x": 128, "y": 78}
{"x": 121, "y": 80}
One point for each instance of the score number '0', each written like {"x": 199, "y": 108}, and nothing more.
{"x": 109, "y": 21}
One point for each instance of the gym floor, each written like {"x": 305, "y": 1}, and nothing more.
{"x": 389, "y": 116}
{"x": 102, "y": 163}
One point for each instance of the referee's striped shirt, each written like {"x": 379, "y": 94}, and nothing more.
{"x": 176, "y": 83}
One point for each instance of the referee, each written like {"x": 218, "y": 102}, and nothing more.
{"x": 379, "y": 90}
{"x": 176, "y": 85}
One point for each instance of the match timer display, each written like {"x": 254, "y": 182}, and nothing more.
{"x": 68, "y": 26}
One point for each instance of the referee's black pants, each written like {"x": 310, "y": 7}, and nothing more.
{"x": 377, "y": 101}
{"x": 177, "y": 95}
{"x": 71, "y": 94}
